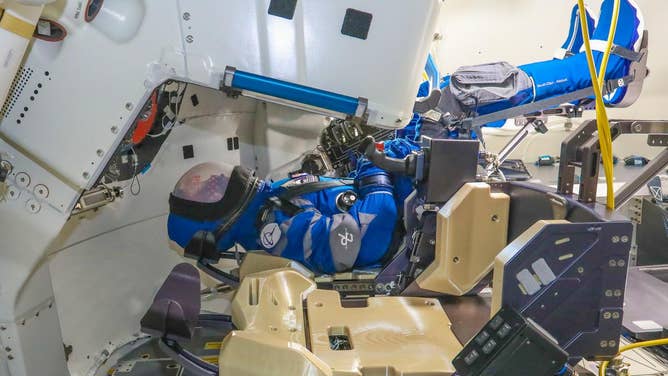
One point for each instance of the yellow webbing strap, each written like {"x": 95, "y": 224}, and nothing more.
{"x": 17, "y": 26}
{"x": 603, "y": 124}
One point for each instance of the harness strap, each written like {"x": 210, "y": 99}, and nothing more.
{"x": 600, "y": 46}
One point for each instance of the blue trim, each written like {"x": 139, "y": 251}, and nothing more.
{"x": 294, "y": 92}
{"x": 432, "y": 72}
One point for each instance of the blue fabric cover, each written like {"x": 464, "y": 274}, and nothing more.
{"x": 557, "y": 77}
{"x": 575, "y": 39}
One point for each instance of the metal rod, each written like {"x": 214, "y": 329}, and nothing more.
{"x": 512, "y": 145}
{"x": 651, "y": 170}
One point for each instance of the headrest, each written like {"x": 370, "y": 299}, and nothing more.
{"x": 175, "y": 310}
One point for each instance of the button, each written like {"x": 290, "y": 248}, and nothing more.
{"x": 482, "y": 338}
{"x": 496, "y": 322}
{"x": 471, "y": 357}
{"x": 489, "y": 347}
{"x": 503, "y": 332}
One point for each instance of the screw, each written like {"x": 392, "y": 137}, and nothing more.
{"x": 8, "y": 349}
{"x": 625, "y": 239}
{"x": 581, "y": 270}
{"x": 432, "y": 242}
{"x": 615, "y": 239}
{"x": 607, "y": 316}
{"x": 638, "y": 128}
{"x": 129, "y": 106}
{"x": 10, "y": 357}
{"x": 100, "y": 153}
{"x": 114, "y": 129}
{"x": 186, "y": 16}
{"x": 190, "y": 39}
{"x": 85, "y": 175}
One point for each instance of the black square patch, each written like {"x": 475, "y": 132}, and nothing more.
{"x": 283, "y": 8}
{"x": 188, "y": 152}
{"x": 356, "y": 23}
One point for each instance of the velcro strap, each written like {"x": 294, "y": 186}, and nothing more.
{"x": 17, "y": 26}
{"x": 601, "y": 45}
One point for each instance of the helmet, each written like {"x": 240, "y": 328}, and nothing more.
{"x": 212, "y": 191}
{"x": 205, "y": 183}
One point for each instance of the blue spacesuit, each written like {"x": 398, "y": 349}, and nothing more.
{"x": 329, "y": 225}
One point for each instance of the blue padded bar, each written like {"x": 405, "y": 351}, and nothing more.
{"x": 294, "y": 92}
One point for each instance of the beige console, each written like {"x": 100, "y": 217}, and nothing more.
{"x": 285, "y": 326}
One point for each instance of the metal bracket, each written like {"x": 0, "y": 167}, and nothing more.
{"x": 582, "y": 149}
{"x": 657, "y": 140}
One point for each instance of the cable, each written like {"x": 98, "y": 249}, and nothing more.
{"x": 603, "y": 124}
{"x": 637, "y": 345}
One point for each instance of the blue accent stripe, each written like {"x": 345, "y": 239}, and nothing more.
{"x": 294, "y": 92}
{"x": 432, "y": 72}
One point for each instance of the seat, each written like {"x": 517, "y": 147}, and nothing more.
{"x": 174, "y": 316}
{"x": 174, "y": 313}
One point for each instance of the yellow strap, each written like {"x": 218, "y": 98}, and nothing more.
{"x": 17, "y": 26}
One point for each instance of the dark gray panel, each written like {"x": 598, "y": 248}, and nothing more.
{"x": 283, "y": 8}
{"x": 356, "y": 23}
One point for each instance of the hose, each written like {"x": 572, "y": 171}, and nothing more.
{"x": 657, "y": 342}
{"x": 598, "y": 80}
